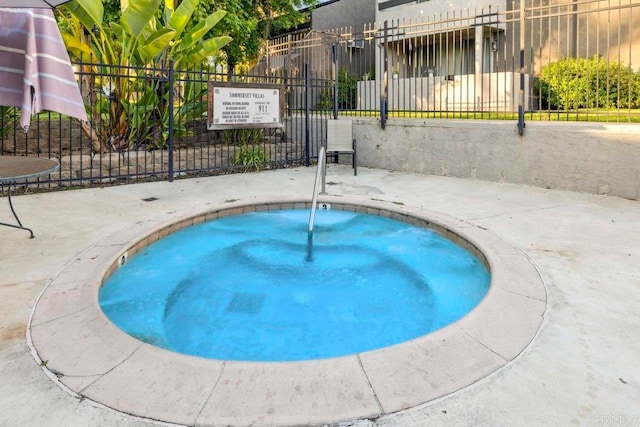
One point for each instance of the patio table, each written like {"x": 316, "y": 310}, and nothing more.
{"x": 14, "y": 169}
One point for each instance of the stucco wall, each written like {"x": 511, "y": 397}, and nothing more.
{"x": 591, "y": 158}
{"x": 430, "y": 9}
{"x": 344, "y": 13}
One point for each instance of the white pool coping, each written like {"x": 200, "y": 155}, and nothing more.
{"x": 90, "y": 357}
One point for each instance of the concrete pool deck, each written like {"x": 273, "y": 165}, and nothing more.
{"x": 580, "y": 369}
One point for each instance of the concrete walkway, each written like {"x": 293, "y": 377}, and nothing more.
{"x": 580, "y": 370}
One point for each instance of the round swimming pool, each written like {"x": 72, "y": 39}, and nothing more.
{"x": 252, "y": 287}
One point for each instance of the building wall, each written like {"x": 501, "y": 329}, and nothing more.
{"x": 351, "y": 17}
{"x": 450, "y": 38}
{"x": 591, "y": 158}
{"x": 560, "y": 28}
{"x": 485, "y": 92}
{"x": 607, "y": 28}
{"x": 428, "y": 9}
{"x": 343, "y": 13}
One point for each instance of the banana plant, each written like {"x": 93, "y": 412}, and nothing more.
{"x": 8, "y": 119}
{"x": 145, "y": 35}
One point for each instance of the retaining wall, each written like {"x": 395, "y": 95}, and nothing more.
{"x": 600, "y": 158}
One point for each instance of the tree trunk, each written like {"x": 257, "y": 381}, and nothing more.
{"x": 96, "y": 145}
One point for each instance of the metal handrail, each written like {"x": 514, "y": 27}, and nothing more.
{"x": 316, "y": 185}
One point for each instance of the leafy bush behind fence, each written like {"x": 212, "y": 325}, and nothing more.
{"x": 574, "y": 83}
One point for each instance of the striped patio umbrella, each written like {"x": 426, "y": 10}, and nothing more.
{"x": 35, "y": 71}
{"x": 32, "y": 4}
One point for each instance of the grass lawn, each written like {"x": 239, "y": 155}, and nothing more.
{"x": 601, "y": 115}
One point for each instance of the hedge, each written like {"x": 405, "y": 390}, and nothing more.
{"x": 573, "y": 83}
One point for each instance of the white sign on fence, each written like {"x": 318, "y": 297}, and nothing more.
{"x": 234, "y": 105}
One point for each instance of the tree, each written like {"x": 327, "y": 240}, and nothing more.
{"x": 281, "y": 14}
{"x": 250, "y": 24}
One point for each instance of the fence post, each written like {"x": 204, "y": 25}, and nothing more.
{"x": 521, "y": 123}
{"x": 334, "y": 60}
{"x": 170, "y": 101}
{"x": 574, "y": 28}
{"x": 307, "y": 121}
{"x": 385, "y": 78}
{"x": 289, "y": 93}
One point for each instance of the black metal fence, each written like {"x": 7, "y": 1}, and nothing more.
{"x": 532, "y": 60}
{"x": 566, "y": 60}
{"x": 151, "y": 123}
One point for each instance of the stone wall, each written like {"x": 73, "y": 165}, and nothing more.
{"x": 200, "y": 151}
{"x": 65, "y": 136}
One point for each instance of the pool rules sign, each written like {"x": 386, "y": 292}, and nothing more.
{"x": 235, "y": 105}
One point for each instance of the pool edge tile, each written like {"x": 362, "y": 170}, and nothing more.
{"x": 160, "y": 385}
{"x": 290, "y": 393}
{"x": 81, "y": 344}
{"x": 506, "y": 322}
{"x": 427, "y": 368}
{"x": 89, "y": 354}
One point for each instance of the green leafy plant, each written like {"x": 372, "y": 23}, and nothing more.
{"x": 574, "y": 83}
{"x": 148, "y": 114}
{"x": 347, "y": 93}
{"x": 145, "y": 33}
{"x": 248, "y": 154}
{"x": 250, "y": 157}
{"x": 242, "y": 136}
{"x": 8, "y": 119}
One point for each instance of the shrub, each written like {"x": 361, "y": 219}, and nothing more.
{"x": 347, "y": 93}
{"x": 250, "y": 157}
{"x": 573, "y": 83}
{"x": 242, "y": 136}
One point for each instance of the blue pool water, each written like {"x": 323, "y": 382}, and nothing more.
{"x": 247, "y": 287}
